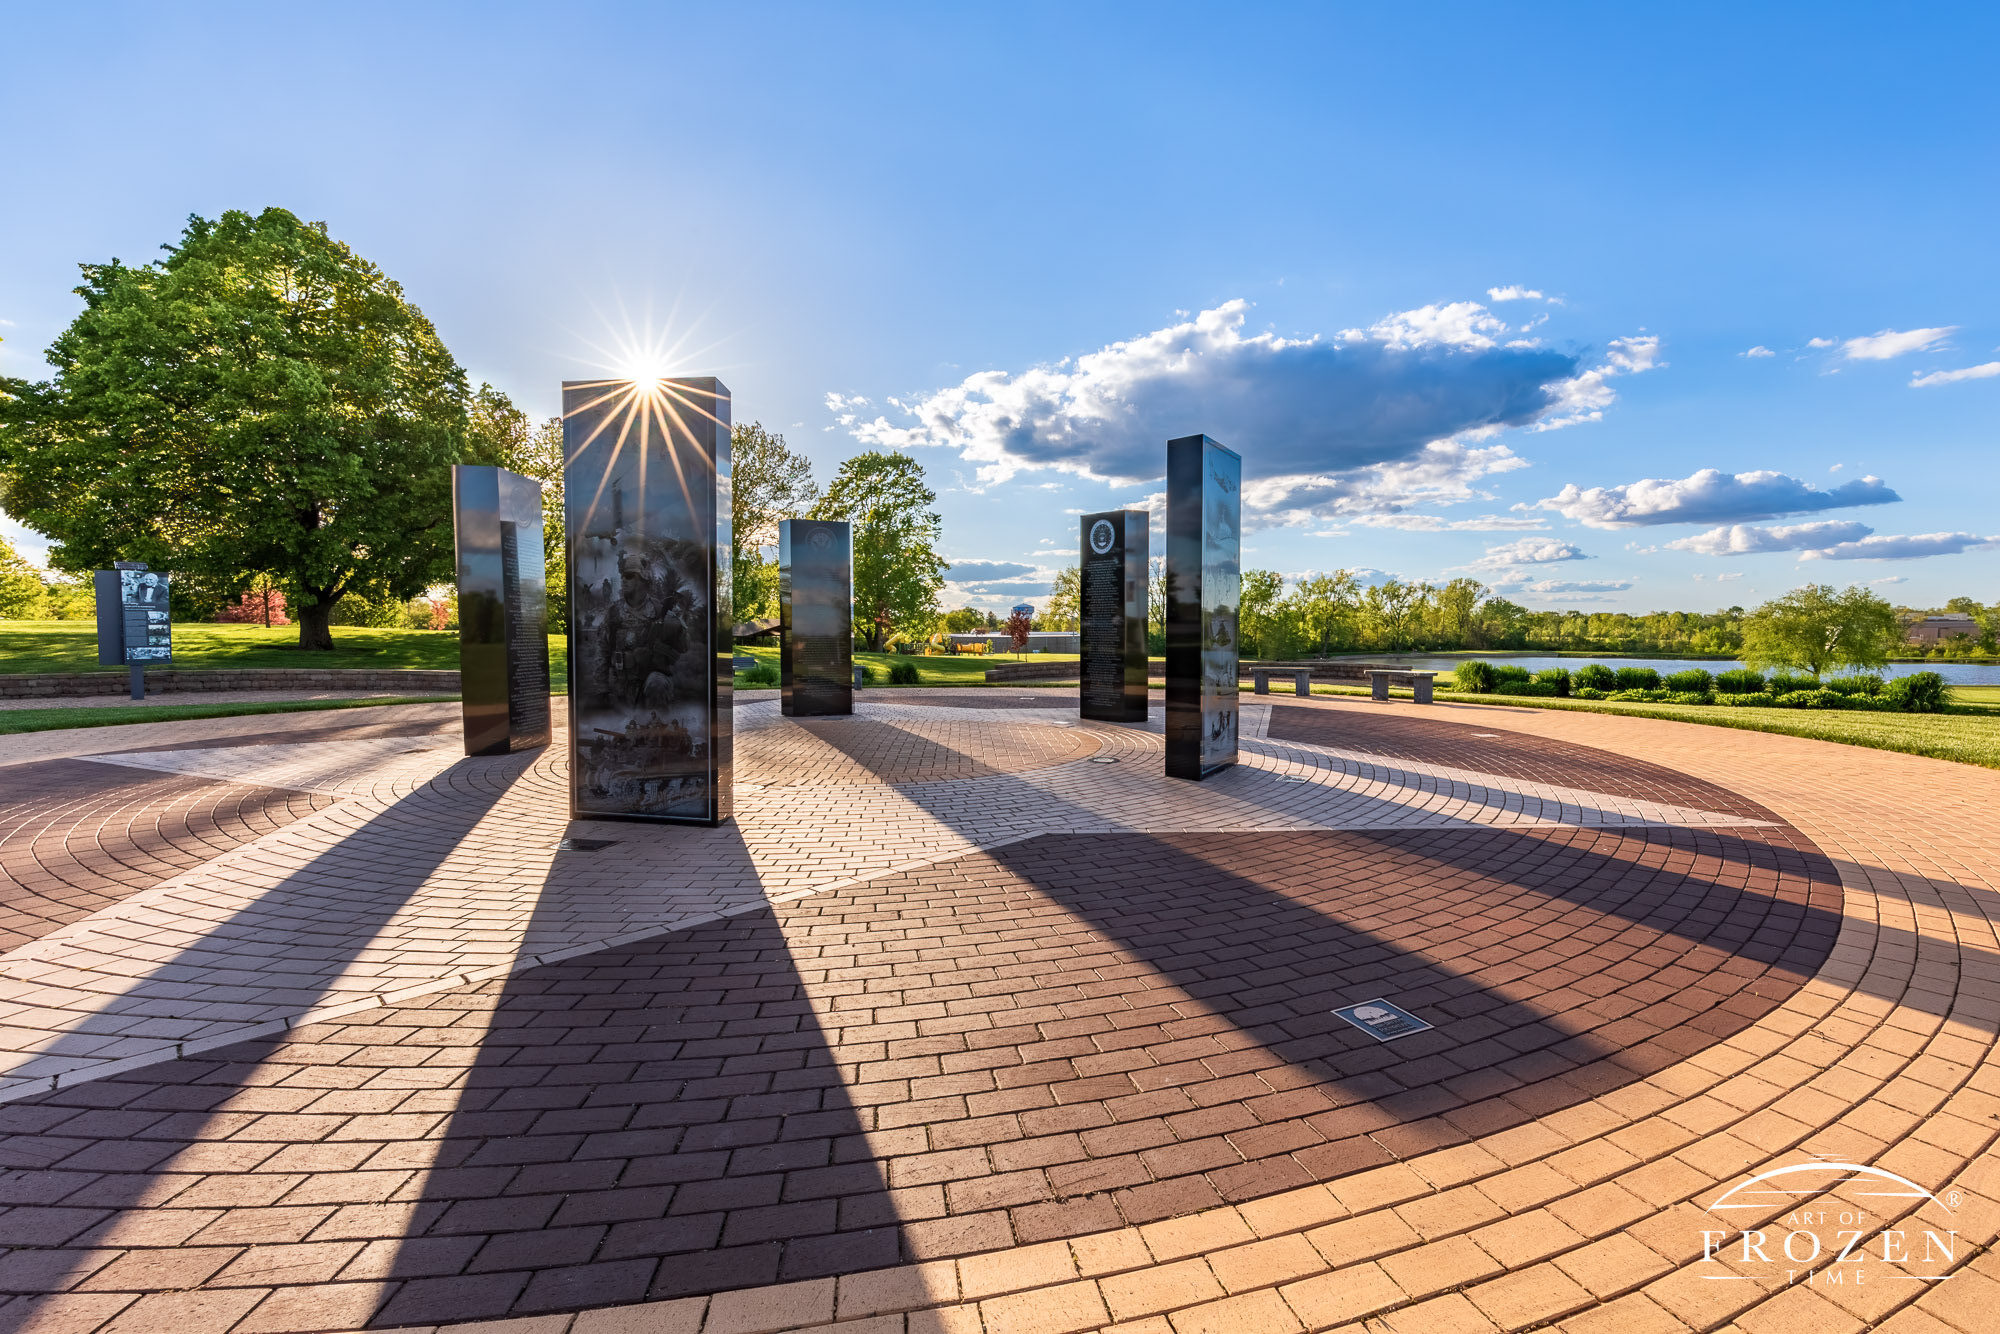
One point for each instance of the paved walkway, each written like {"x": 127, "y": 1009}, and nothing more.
{"x": 156, "y": 698}
{"x": 971, "y": 1020}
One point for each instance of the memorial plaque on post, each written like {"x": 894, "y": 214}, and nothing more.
{"x": 646, "y": 497}
{"x": 503, "y": 618}
{"x": 816, "y": 617}
{"x": 1204, "y": 580}
{"x": 1112, "y": 614}
{"x": 134, "y": 623}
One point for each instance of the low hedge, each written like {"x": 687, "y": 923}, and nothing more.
{"x": 1923, "y": 692}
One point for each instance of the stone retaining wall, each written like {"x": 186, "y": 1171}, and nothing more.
{"x": 170, "y": 680}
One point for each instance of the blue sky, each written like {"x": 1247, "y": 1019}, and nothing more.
{"x": 1032, "y": 242}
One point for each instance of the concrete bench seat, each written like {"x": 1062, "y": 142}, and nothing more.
{"x": 1301, "y": 679}
{"x": 1420, "y": 682}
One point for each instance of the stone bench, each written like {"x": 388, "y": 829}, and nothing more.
{"x": 1301, "y": 679}
{"x": 1420, "y": 682}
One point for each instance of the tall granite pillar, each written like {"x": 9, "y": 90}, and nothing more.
{"x": 1112, "y": 590}
{"x": 1204, "y": 581}
{"x": 503, "y": 609}
{"x": 646, "y": 499}
{"x": 816, "y": 617}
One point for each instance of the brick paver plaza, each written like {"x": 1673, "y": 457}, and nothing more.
{"x": 973, "y": 1021}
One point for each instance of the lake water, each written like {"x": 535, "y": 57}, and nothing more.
{"x": 1954, "y": 673}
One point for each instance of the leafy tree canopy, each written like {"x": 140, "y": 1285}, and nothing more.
{"x": 263, "y": 399}
{"x": 1065, "y": 607}
{"x": 768, "y": 482}
{"x": 499, "y": 430}
{"x": 1816, "y": 628}
{"x": 898, "y": 572}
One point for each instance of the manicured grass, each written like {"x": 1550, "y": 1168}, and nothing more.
{"x": 71, "y": 646}
{"x": 50, "y": 720}
{"x": 949, "y": 669}
{"x": 1968, "y": 734}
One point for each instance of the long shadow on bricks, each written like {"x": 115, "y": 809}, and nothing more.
{"x": 652, "y": 1121}
{"x": 127, "y": 1194}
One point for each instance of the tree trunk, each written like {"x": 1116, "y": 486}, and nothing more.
{"x": 315, "y": 629}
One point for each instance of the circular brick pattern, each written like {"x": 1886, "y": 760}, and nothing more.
{"x": 1054, "y": 1038}
{"x": 77, "y": 836}
{"x": 827, "y": 751}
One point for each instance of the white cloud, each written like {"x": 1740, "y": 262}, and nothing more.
{"x": 1584, "y": 397}
{"x": 28, "y": 544}
{"x": 1759, "y": 351}
{"x": 1548, "y": 587}
{"x": 1911, "y": 546}
{"x": 1708, "y": 496}
{"x": 1982, "y": 372}
{"x": 983, "y": 571}
{"x": 1366, "y": 421}
{"x": 1743, "y": 539}
{"x": 1511, "y": 293}
{"x": 1433, "y": 523}
{"x": 1725, "y": 578}
{"x": 1819, "y": 342}
{"x": 1529, "y": 551}
{"x": 1891, "y": 343}
{"x": 1891, "y": 579}
{"x": 1836, "y": 467}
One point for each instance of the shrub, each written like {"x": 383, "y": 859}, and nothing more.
{"x": 1742, "y": 681}
{"x": 1475, "y": 677}
{"x": 1586, "y": 692}
{"x": 904, "y": 674}
{"x": 1690, "y": 697}
{"x": 1595, "y": 677}
{"x": 1643, "y": 696}
{"x": 1790, "y": 683}
{"x": 1865, "y": 685}
{"x": 1759, "y": 700}
{"x": 1554, "y": 676}
{"x": 763, "y": 675}
{"x": 1509, "y": 672}
{"x": 867, "y": 674}
{"x": 1637, "y": 678}
{"x": 1920, "y": 692}
{"x": 1542, "y": 688}
{"x": 1693, "y": 681}
{"x": 1816, "y": 698}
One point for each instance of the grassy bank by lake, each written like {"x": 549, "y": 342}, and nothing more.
{"x": 1969, "y": 733}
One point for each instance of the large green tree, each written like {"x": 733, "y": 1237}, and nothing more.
{"x": 497, "y": 429}
{"x": 1065, "y": 606}
{"x": 898, "y": 572}
{"x": 1258, "y": 632}
{"x": 768, "y": 482}
{"x": 23, "y": 595}
{"x": 261, "y": 400}
{"x": 1816, "y": 628}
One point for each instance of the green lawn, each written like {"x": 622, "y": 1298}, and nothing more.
{"x": 964, "y": 669}
{"x": 1970, "y": 733}
{"x": 50, "y": 720}
{"x": 71, "y": 646}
